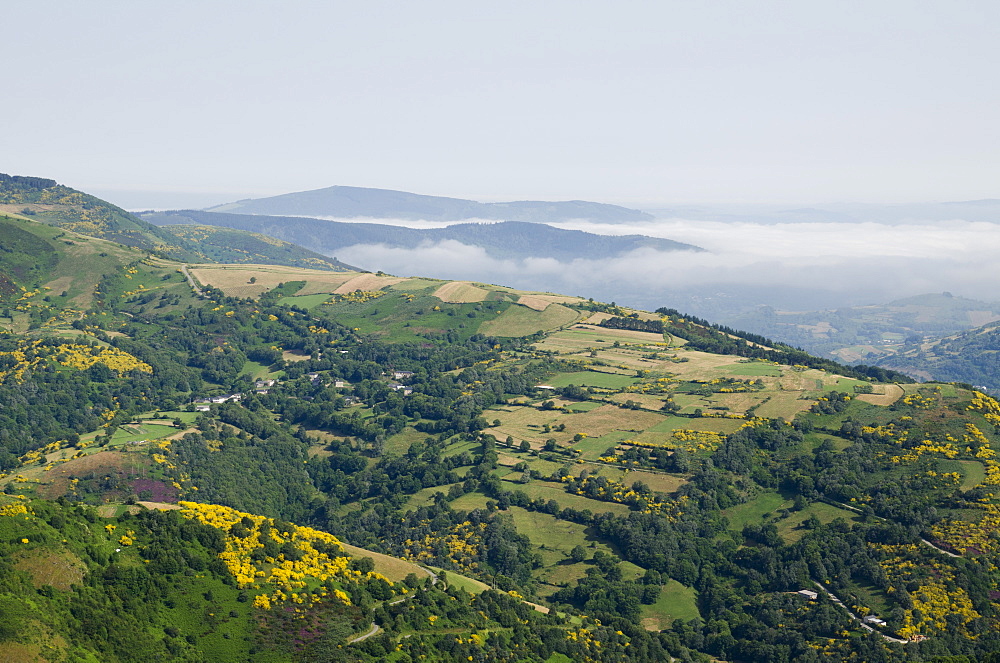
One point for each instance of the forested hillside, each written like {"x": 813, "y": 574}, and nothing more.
{"x": 286, "y": 464}
{"x": 970, "y": 356}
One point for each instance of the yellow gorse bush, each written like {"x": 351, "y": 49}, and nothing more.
{"x": 288, "y": 579}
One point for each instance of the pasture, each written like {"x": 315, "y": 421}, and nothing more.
{"x": 792, "y": 528}
{"x": 784, "y": 405}
{"x": 234, "y": 280}
{"x": 523, "y": 321}
{"x": 393, "y": 568}
{"x": 675, "y": 602}
{"x": 551, "y": 490}
{"x": 583, "y": 337}
{"x": 598, "y": 379}
{"x": 305, "y": 301}
{"x": 756, "y": 510}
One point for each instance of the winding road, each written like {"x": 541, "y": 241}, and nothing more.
{"x": 837, "y": 601}
{"x": 375, "y": 629}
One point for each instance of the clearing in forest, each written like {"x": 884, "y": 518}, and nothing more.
{"x": 675, "y": 602}
{"x": 393, "y": 568}
{"x": 48, "y": 567}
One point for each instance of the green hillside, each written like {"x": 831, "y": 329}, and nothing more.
{"x": 877, "y": 333}
{"x": 228, "y": 246}
{"x": 970, "y": 356}
{"x": 48, "y": 202}
{"x": 659, "y": 487}
{"x": 55, "y": 204}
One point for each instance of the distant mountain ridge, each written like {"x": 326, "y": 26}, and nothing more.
{"x": 45, "y": 200}
{"x": 503, "y": 240}
{"x": 351, "y": 202}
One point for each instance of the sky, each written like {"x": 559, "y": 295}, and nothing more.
{"x": 648, "y": 104}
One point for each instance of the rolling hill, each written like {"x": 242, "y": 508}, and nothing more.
{"x": 349, "y": 202}
{"x": 200, "y": 474}
{"x": 49, "y": 202}
{"x": 870, "y": 333}
{"x": 506, "y": 239}
{"x": 971, "y": 356}
{"x": 46, "y": 201}
{"x": 230, "y": 246}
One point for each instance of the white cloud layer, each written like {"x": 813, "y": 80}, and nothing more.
{"x": 856, "y": 263}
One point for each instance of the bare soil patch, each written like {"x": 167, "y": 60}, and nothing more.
{"x": 886, "y": 395}
{"x": 365, "y": 282}
{"x": 102, "y": 463}
{"x": 159, "y": 506}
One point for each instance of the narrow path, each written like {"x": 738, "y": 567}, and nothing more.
{"x": 941, "y": 550}
{"x": 191, "y": 281}
{"x": 375, "y": 629}
{"x": 886, "y": 520}
{"x": 837, "y": 601}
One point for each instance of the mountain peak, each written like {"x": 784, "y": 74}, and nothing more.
{"x": 361, "y": 202}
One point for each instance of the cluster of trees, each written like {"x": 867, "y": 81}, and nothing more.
{"x": 707, "y": 337}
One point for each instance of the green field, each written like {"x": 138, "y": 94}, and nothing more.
{"x": 591, "y": 448}
{"x": 791, "y": 530}
{"x": 676, "y": 602}
{"x": 755, "y": 369}
{"x": 145, "y": 431}
{"x": 258, "y": 371}
{"x": 549, "y": 490}
{"x": 555, "y": 539}
{"x": 305, "y": 301}
{"x": 399, "y": 443}
{"x": 973, "y": 472}
{"x": 585, "y": 406}
{"x": 523, "y": 321}
{"x": 453, "y": 579}
{"x": 752, "y": 512}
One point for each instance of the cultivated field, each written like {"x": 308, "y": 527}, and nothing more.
{"x": 364, "y": 282}
{"x": 534, "y": 301}
{"x": 885, "y": 394}
{"x": 234, "y": 280}
{"x": 460, "y": 292}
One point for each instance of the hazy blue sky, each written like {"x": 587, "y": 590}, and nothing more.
{"x": 642, "y": 103}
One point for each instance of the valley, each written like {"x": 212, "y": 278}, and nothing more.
{"x": 281, "y": 462}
